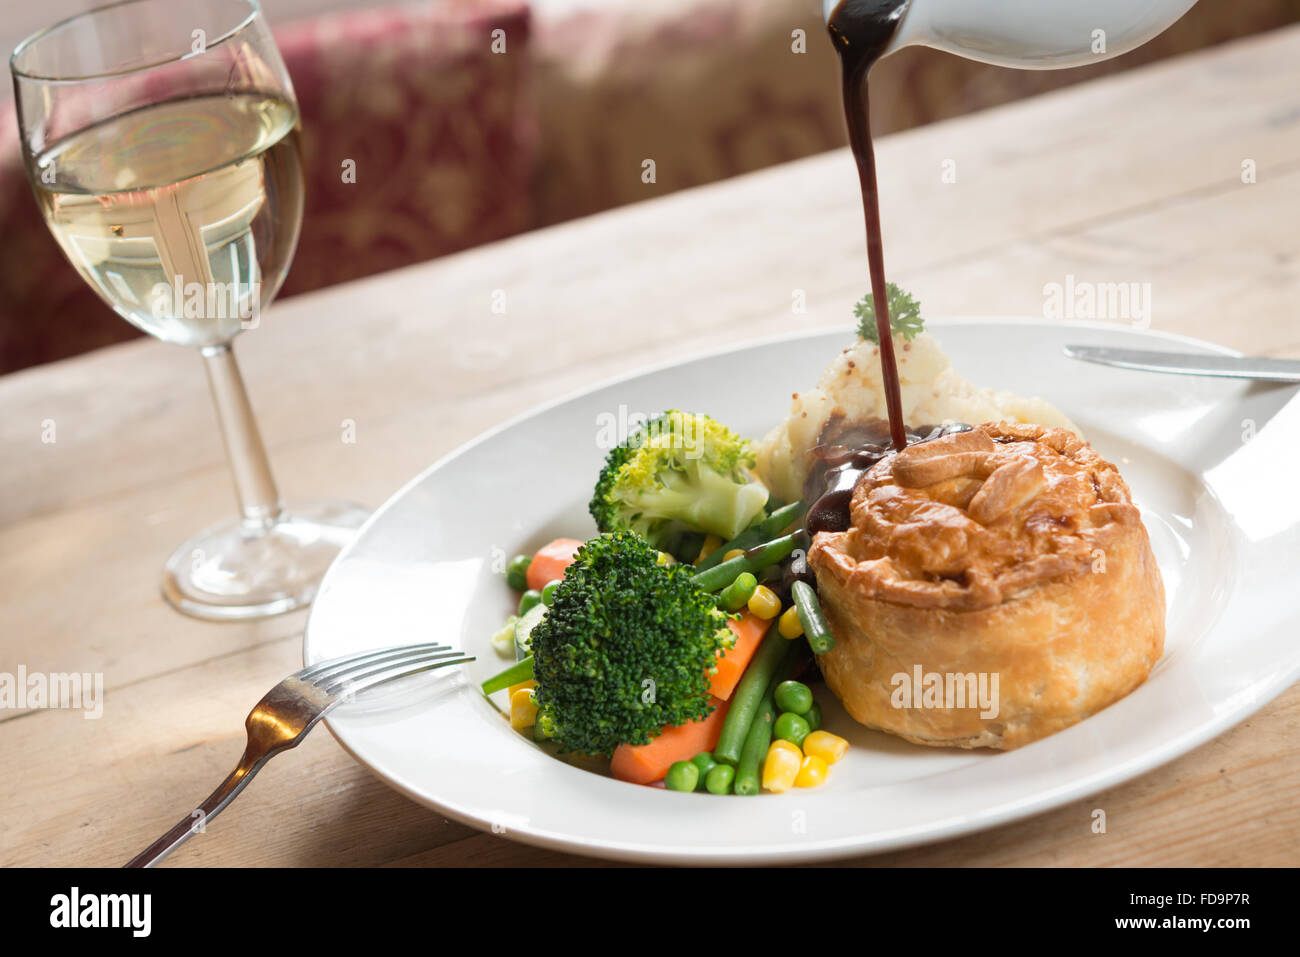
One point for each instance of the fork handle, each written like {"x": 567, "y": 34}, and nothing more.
{"x": 213, "y": 805}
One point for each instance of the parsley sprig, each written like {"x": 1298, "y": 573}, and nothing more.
{"x": 904, "y": 315}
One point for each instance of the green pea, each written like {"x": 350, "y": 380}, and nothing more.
{"x": 704, "y": 761}
{"x": 791, "y": 727}
{"x": 719, "y": 779}
{"x": 517, "y": 572}
{"x": 814, "y": 717}
{"x": 528, "y": 600}
{"x": 548, "y": 593}
{"x": 682, "y": 776}
{"x": 793, "y": 696}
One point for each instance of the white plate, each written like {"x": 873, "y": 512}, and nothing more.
{"x": 1212, "y": 463}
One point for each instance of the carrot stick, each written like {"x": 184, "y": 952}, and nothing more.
{"x": 733, "y": 662}
{"x": 550, "y": 562}
{"x": 647, "y": 763}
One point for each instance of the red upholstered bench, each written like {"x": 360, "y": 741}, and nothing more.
{"x": 431, "y": 124}
{"x": 435, "y": 122}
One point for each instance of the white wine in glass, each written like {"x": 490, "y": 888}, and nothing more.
{"x": 161, "y": 140}
{"x": 208, "y": 189}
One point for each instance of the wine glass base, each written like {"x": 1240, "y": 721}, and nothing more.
{"x": 231, "y": 572}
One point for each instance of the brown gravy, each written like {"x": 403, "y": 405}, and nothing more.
{"x": 841, "y": 466}
{"x": 860, "y": 31}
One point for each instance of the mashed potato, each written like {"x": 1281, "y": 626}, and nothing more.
{"x": 851, "y": 388}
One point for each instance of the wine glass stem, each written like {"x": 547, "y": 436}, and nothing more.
{"x": 259, "y": 500}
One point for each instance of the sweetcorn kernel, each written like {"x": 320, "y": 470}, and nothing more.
{"x": 822, "y": 744}
{"x": 784, "y": 745}
{"x": 812, "y": 772}
{"x": 523, "y": 710}
{"x": 764, "y": 603}
{"x": 711, "y": 545}
{"x": 780, "y": 770}
{"x": 790, "y": 626}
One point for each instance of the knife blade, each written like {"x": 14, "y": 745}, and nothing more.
{"x": 1188, "y": 363}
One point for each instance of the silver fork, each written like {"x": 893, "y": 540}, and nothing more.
{"x": 282, "y": 719}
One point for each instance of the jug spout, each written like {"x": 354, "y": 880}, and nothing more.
{"x": 1027, "y": 34}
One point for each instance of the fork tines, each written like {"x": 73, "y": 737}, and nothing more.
{"x": 360, "y": 672}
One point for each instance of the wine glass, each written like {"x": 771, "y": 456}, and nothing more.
{"x": 161, "y": 139}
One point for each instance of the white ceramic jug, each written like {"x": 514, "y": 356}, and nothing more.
{"x": 1031, "y": 34}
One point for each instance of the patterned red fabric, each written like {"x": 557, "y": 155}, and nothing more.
{"x": 436, "y": 123}
{"x": 46, "y": 310}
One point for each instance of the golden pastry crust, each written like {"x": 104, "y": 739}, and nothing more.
{"x": 1010, "y": 550}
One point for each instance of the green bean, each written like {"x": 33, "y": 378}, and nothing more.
{"x": 774, "y": 524}
{"x": 755, "y": 750}
{"x": 736, "y": 595}
{"x": 781, "y": 519}
{"x": 756, "y": 559}
{"x": 746, "y": 539}
{"x": 519, "y": 671}
{"x": 747, "y": 696}
{"x": 820, "y": 639}
{"x": 758, "y": 739}
{"x": 517, "y": 572}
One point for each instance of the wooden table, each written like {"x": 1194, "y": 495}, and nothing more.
{"x": 1133, "y": 178}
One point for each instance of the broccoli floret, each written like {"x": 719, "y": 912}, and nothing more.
{"x": 681, "y": 472}
{"x": 626, "y": 647}
{"x": 603, "y": 505}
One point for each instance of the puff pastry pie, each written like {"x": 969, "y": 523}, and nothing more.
{"x": 1008, "y": 550}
